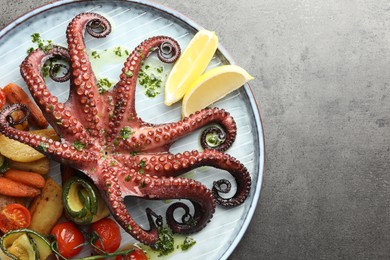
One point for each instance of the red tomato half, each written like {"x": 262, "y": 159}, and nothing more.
{"x": 109, "y": 235}
{"x": 14, "y": 216}
{"x": 137, "y": 254}
{"x": 69, "y": 238}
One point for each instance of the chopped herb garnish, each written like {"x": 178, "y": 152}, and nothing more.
{"x": 104, "y": 85}
{"x": 116, "y": 142}
{"x": 151, "y": 80}
{"x": 119, "y": 52}
{"x": 160, "y": 69}
{"x": 134, "y": 153}
{"x": 125, "y": 133}
{"x": 95, "y": 55}
{"x": 165, "y": 242}
{"x": 113, "y": 163}
{"x": 188, "y": 242}
{"x": 142, "y": 164}
{"x": 129, "y": 74}
{"x": 127, "y": 178}
{"x": 35, "y": 37}
{"x": 44, "y": 45}
{"x": 142, "y": 185}
{"x": 78, "y": 145}
{"x": 43, "y": 146}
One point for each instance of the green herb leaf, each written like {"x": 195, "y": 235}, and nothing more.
{"x": 125, "y": 133}
{"x": 187, "y": 243}
{"x": 78, "y": 145}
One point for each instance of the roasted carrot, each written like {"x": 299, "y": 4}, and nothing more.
{"x": 28, "y": 178}
{"x": 16, "y": 94}
{"x": 11, "y": 188}
{"x": 2, "y": 98}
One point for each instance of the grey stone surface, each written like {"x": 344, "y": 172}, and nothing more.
{"x": 323, "y": 88}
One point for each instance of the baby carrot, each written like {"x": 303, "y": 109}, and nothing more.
{"x": 11, "y": 188}
{"x": 16, "y": 94}
{"x": 27, "y": 178}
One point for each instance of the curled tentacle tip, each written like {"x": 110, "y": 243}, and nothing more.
{"x": 6, "y": 114}
{"x": 98, "y": 26}
{"x": 187, "y": 223}
{"x": 214, "y": 138}
{"x": 169, "y": 51}
{"x": 54, "y": 70}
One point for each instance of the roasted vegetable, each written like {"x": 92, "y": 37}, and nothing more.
{"x": 6, "y": 200}
{"x": 24, "y": 244}
{"x": 15, "y": 189}
{"x": 14, "y": 216}
{"x": 47, "y": 208}
{"x": 4, "y": 164}
{"x": 41, "y": 166}
{"x": 20, "y": 152}
{"x": 82, "y": 201}
{"x": 16, "y": 95}
{"x": 27, "y": 178}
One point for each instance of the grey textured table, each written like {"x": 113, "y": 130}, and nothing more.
{"x": 322, "y": 85}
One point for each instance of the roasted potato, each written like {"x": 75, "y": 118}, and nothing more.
{"x": 41, "y": 166}
{"x": 46, "y": 209}
{"x": 20, "y": 152}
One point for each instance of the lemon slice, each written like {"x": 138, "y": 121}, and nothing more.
{"x": 190, "y": 65}
{"x": 212, "y": 86}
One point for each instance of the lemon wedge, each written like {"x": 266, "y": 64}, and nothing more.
{"x": 212, "y": 86}
{"x": 190, "y": 65}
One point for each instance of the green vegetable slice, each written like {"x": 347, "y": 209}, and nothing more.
{"x": 25, "y": 244}
{"x": 82, "y": 201}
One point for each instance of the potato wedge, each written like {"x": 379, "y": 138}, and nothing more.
{"x": 41, "y": 166}
{"x": 20, "y": 152}
{"x": 46, "y": 209}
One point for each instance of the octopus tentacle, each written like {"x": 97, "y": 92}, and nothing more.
{"x": 84, "y": 97}
{"x": 55, "y": 112}
{"x": 115, "y": 198}
{"x": 174, "y": 165}
{"x": 153, "y": 187}
{"x": 152, "y": 137}
{"x": 54, "y": 149}
{"x": 124, "y": 90}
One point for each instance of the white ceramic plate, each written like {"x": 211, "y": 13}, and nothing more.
{"x": 133, "y": 22}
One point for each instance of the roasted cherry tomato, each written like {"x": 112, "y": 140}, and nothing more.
{"x": 137, "y": 254}
{"x": 14, "y": 216}
{"x": 106, "y": 235}
{"x": 2, "y": 98}
{"x": 69, "y": 238}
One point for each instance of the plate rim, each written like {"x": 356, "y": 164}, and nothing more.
{"x": 191, "y": 23}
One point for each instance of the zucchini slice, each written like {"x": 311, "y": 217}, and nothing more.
{"x": 82, "y": 201}
{"x": 24, "y": 244}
